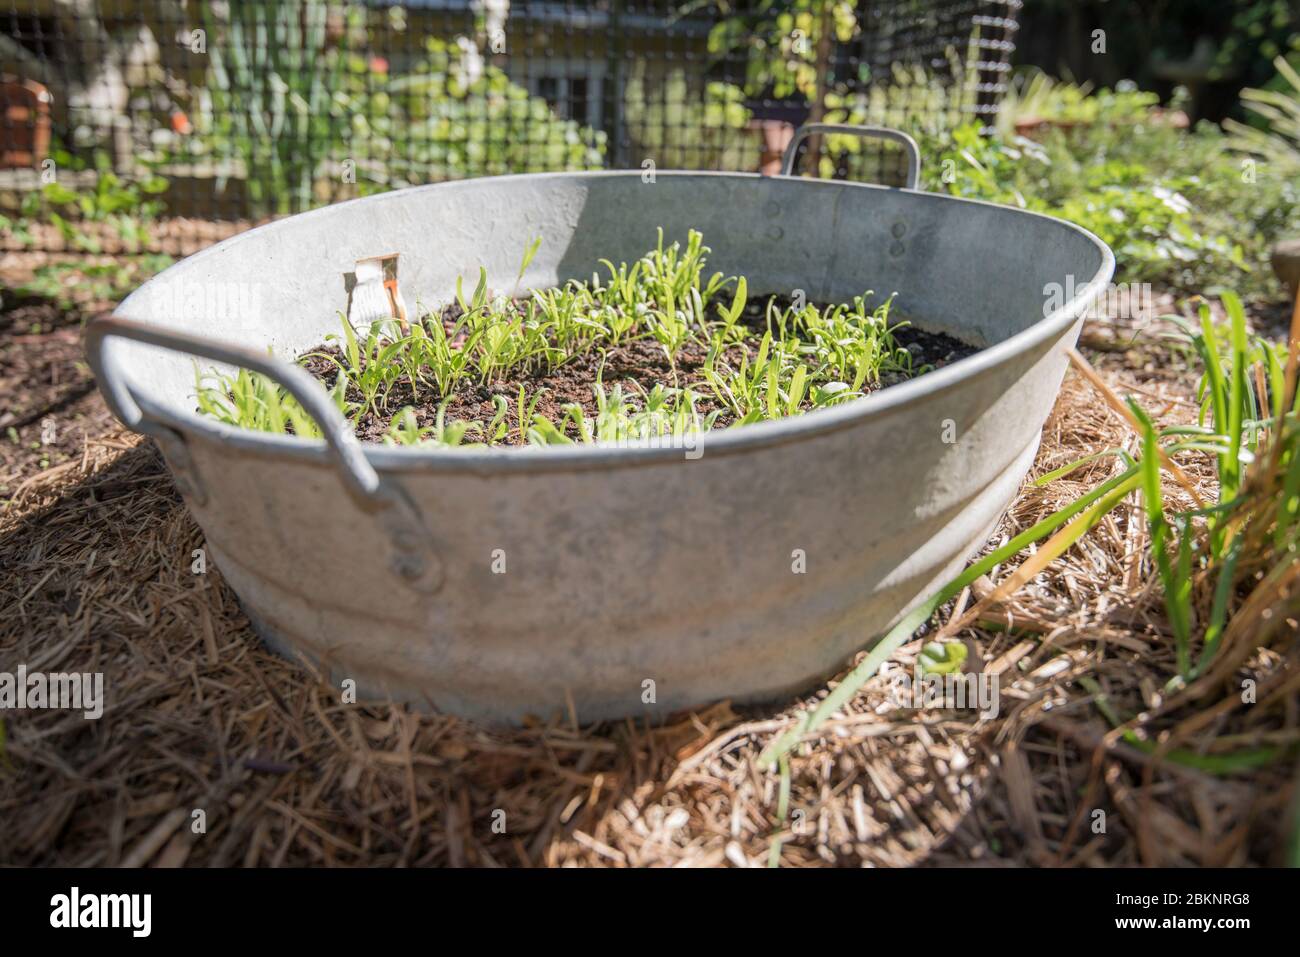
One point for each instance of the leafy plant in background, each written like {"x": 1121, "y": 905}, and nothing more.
{"x": 78, "y": 283}
{"x": 127, "y": 206}
{"x": 1033, "y": 96}
{"x": 1171, "y": 204}
{"x": 1279, "y": 113}
{"x": 274, "y": 76}
{"x": 1260, "y": 31}
{"x": 1253, "y": 203}
{"x": 1176, "y": 205}
{"x": 441, "y": 122}
{"x": 785, "y": 43}
{"x": 683, "y": 128}
{"x": 910, "y": 96}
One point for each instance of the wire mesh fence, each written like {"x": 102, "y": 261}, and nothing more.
{"x": 139, "y": 125}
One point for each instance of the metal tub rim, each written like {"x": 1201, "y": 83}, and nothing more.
{"x": 584, "y": 457}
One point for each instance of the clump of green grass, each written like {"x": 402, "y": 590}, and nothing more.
{"x": 803, "y": 357}
{"x": 1250, "y": 533}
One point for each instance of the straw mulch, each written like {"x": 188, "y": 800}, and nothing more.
{"x": 96, "y": 553}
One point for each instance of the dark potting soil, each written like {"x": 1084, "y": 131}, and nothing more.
{"x": 642, "y": 362}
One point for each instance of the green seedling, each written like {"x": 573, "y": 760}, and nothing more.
{"x": 405, "y": 429}
{"x": 942, "y": 658}
{"x": 808, "y": 357}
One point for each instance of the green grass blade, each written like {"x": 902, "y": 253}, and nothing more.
{"x": 1090, "y": 509}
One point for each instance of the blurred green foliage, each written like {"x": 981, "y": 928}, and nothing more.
{"x": 778, "y": 40}
{"x": 306, "y": 111}
{"x": 441, "y": 121}
{"x": 1275, "y": 130}
{"x": 126, "y": 205}
{"x": 679, "y": 127}
{"x": 273, "y": 80}
{"x": 310, "y": 114}
{"x": 74, "y": 284}
{"x": 1033, "y": 96}
{"x": 1180, "y": 208}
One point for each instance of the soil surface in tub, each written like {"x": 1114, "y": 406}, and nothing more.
{"x": 641, "y": 361}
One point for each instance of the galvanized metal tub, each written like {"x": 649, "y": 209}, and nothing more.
{"x": 637, "y": 580}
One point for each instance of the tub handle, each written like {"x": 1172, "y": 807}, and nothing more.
{"x": 871, "y": 132}
{"x": 411, "y": 558}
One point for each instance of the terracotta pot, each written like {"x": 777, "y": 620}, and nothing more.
{"x": 24, "y": 123}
